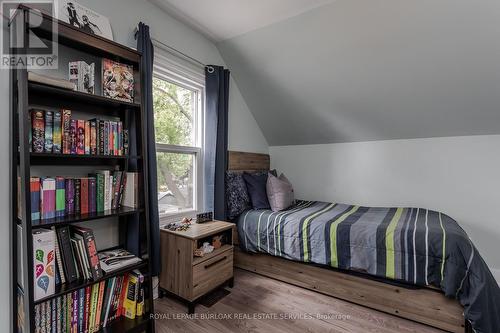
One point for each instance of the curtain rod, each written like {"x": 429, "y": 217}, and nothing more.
{"x": 174, "y": 50}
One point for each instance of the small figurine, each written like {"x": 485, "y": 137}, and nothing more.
{"x": 199, "y": 252}
{"x": 217, "y": 242}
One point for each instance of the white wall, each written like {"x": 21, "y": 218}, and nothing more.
{"x": 459, "y": 176}
{"x": 124, "y": 16}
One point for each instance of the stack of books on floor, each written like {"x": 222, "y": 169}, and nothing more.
{"x": 56, "y": 133}
{"x": 56, "y": 197}
{"x": 91, "y": 308}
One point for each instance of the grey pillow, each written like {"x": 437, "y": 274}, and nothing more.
{"x": 237, "y": 199}
{"x": 279, "y": 192}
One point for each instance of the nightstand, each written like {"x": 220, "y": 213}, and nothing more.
{"x": 188, "y": 277}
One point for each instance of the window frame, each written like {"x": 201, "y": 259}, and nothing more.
{"x": 167, "y": 69}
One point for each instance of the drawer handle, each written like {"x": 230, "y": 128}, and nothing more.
{"x": 215, "y": 262}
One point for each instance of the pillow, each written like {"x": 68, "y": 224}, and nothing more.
{"x": 237, "y": 199}
{"x": 279, "y": 192}
{"x": 256, "y": 187}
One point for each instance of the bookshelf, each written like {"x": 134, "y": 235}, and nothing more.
{"x": 25, "y": 164}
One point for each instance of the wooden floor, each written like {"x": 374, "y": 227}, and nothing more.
{"x": 297, "y": 310}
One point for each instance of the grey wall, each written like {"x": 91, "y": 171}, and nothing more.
{"x": 454, "y": 175}
{"x": 360, "y": 70}
{"x": 124, "y": 15}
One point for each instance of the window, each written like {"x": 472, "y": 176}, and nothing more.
{"x": 178, "y": 117}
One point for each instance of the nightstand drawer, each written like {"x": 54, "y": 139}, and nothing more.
{"x": 212, "y": 272}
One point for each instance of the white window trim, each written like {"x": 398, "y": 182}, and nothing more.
{"x": 166, "y": 68}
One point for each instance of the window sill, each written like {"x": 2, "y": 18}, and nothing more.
{"x": 177, "y": 217}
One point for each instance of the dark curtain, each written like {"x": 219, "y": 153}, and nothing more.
{"x": 216, "y": 114}
{"x": 145, "y": 46}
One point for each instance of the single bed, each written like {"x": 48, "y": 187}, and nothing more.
{"x": 398, "y": 260}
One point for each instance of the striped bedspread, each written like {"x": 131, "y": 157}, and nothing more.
{"x": 413, "y": 245}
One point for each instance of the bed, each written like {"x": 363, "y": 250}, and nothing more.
{"x": 411, "y": 262}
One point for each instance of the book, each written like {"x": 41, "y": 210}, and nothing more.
{"x": 82, "y": 76}
{"x": 106, "y": 137}
{"x": 117, "y": 80}
{"x": 125, "y": 141}
{"x": 87, "y": 308}
{"x": 70, "y": 196}
{"x": 87, "y": 137}
{"x": 43, "y": 263}
{"x": 100, "y": 137}
{"x": 59, "y": 260}
{"x": 93, "y": 136}
{"x": 114, "y": 260}
{"x": 107, "y": 300}
{"x": 57, "y": 133}
{"x": 92, "y": 194}
{"x": 84, "y": 195}
{"x": 66, "y": 128}
{"x": 50, "y": 81}
{"x": 74, "y": 313}
{"x": 131, "y": 191}
{"x": 37, "y": 131}
{"x": 140, "y": 294}
{"x": 97, "y": 323}
{"x": 48, "y": 198}
{"x": 49, "y": 124}
{"x": 130, "y": 301}
{"x": 77, "y": 195}
{"x": 100, "y": 187}
{"x": 64, "y": 242}
{"x": 81, "y": 307}
{"x": 35, "y": 198}
{"x": 60, "y": 197}
{"x": 80, "y": 145}
{"x": 73, "y": 136}
{"x": 93, "y": 306}
{"x": 90, "y": 250}
{"x": 77, "y": 258}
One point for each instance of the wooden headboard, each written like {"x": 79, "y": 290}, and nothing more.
{"x": 242, "y": 161}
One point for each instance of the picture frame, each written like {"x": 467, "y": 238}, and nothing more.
{"x": 84, "y": 18}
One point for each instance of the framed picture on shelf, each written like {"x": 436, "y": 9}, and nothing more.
{"x": 117, "y": 80}
{"x": 84, "y": 18}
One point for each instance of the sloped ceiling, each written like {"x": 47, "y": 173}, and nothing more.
{"x": 359, "y": 70}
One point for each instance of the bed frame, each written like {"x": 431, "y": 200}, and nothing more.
{"x": 424, "y": 305}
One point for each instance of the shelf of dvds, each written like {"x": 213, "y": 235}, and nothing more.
{"x": 123, "y": 157}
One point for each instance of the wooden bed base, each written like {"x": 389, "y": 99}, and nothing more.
{"x": 424, "y": 305}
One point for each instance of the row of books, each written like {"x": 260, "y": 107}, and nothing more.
{"x": 55, "y": 132}
{"x": 89, "y": 309}
{"x": 55, "y": 197}
{"x": 68, "y": 255}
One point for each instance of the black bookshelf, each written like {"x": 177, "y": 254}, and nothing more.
{"x": 23, "y": 96}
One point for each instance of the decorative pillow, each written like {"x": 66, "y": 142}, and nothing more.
{"x": 279, "y": 192}
{"x": 237, "y": 200}
{"x": 256, "y": 187}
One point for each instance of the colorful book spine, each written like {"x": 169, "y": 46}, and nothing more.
{"x": 70, "y": 196}
{"x": 48, "y": 313}
{"x": 130, "y": 302}
{"x": 77, "y": 196}
{"x": 35, "y": 198}
{"x": 69, "y": 312}
{"x": 107, "y": 300}
{"x": 48, "y": 198}
{"x": 81, "y": 307}
{"x": 87, "y": 308}
{"x": 49, "y": 125}
{"x": 38, "y": 131}
{"x": 123, "y": 294}
{"x": 125, "y": 142}
{"x": 53, "y": 315}
{"x": 92, "y": 194}
{"x": 80, "y": 146}
{"x": 97, "y": 322}
{"x": 87, "y": 137}
{"x": 60, "y": 197}
{"x": 43, "y": 263}
{"x": 93, "y": 306}
{"x": 93, "y": 137}
{"x": 100, "y": 192}
{"x": 59, "y": 261}
{"x": 106, "y": 137}
{"x": 120, "y": 138}
{"x": 73, "y": 134}
{"x": 74, "y": 312}
{"x": 84, "y": 195}
{"x": 64, "y": 312}
{"x": 59, "y": 314}
{"x": 57, "y": 134}
{"x": 101, "y": 133}
{"x": 66, "y": 125}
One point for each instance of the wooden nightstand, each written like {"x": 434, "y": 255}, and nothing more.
{"x": 189, "y": 277}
